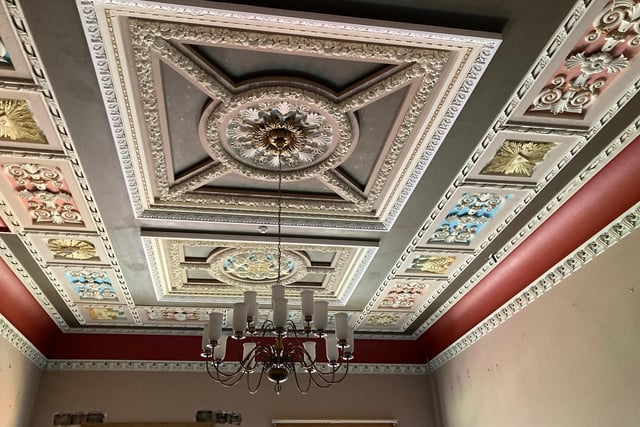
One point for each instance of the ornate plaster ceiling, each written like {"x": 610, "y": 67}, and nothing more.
{"x": 385, "y": 215}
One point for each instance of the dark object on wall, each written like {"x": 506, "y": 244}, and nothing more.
{"x": 219, "y": 417}
{"x": 78, "y": 418}
{"x": 204, "y": 416}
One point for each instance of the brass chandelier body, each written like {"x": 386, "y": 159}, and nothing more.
{"x": 278, "y": 349}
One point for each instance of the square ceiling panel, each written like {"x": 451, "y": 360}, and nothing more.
{"x": 195, "y": 270}
{"x": 222, "y": 108}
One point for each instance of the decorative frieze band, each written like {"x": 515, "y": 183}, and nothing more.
{"x": 197, "y": 366}
{"x": 19, "y": 341}
{"x": 612, "y": 234}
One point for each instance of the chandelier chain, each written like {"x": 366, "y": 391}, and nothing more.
{"x": 279, "y": 215}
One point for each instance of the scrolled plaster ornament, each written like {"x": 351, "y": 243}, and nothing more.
{"x": 257, "y": 265}
{"x": 560, "y": 97}
{"x": 467, "y": 217}
{"x": 595, "y": 64}
{"x": 44, "y": 193}
{"x": 383, "y": 319}
{"x": 619, "y": 23}
{"x": 403, "y": 295}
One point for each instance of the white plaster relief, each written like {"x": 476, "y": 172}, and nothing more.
{"x": 610, "y": 235}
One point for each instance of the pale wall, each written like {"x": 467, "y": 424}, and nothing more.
{"x": 156, "y": 396}
{"x": 572, "y": 358}
{"x": 19, "y": 379}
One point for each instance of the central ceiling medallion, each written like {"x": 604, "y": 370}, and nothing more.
{"x": 300, "y": 134}
{"x": 311, "y": 132}
{"x": 258, "y": 266}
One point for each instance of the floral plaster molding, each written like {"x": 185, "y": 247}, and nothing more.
{"x": 93, "y": 17}
{"x": 501, "y": 124}
{"x": 42, "y": 86}
{"x": 198, "y": 366}
{"x": 19, "y": 341}
{"x": 615, "y": 147}
{"x": 609, "y": 236}
{"x": 615, "y": 31}
{"x": 352, "y": 263}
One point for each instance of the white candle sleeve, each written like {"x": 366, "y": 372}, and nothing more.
{"x": 342, "y": 326}
{"x": 277, "y": 292}
{"x": 239, "y": 317}
{"x": 310, "y": 348}
{"x": 332, "y": 349}
{"x": 280, "y": 313}
{"x": 307, "y": 303}
{"x": 250, "y": 299}
{"x": 221, "y": 349}
{"x": 321, "y": 311}
{"x": 215, "y": 326}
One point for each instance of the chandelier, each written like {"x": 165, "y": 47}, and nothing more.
{"x": 277, "y": 348}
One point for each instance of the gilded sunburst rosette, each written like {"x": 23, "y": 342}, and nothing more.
{"x": 72, "y": 249}
{"x": 17, "y": 122}
{"x": 517, "y": 158}
{"x": 432, "y": 263}
{"x": 298, "y": 133}
{"x": 261, "y": 136}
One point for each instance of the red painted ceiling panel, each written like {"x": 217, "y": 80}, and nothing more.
{"x": 606, "y": 196}
{"x": 24, "y": 312}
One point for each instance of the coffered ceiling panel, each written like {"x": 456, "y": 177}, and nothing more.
{"x": 358, "y": 113}
{"x": 407, "y": 164}
{"x": 217, "y": 271}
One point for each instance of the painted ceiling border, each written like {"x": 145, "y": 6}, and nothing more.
{"x": 24, "y": 346}
{"x": 198, "y": 366}
{"x": 23, "y": 275}
{"x": 486, "y": 48}
{"x": 625, "y": 138}
{"x": 624, "y": 225}
{"x": 42, "y": 86}
{"x": 501, "y": 123}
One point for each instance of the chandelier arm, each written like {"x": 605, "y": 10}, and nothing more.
{"x": 226, "y": 380}
{"x": 333, "y": 377}
{"x": 255, "y": 390}
{"x": 267, "y": 327}
{"x": 233, "y": 381}
{"x": 302, "y": 390}
{"x": 298, "y": 354}
{"x": 219, "y": 375}
{"x": 291, "y": 327}
{"x": 315, "y": 378}
{"x": 249, "y": 362}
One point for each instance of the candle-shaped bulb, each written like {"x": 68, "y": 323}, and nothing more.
{"x": 332, "y": 349}
{"x": 307, "y": 303}
{"x": 250, "y": 299}
{"x": 321, "y": 315}
{"x": 215, "y": 326}
{"x": 239, "y": 318}
{"x": 280, "y": 313}
{"x": 221, "y": 349}
{"x": 342, "y": 326}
